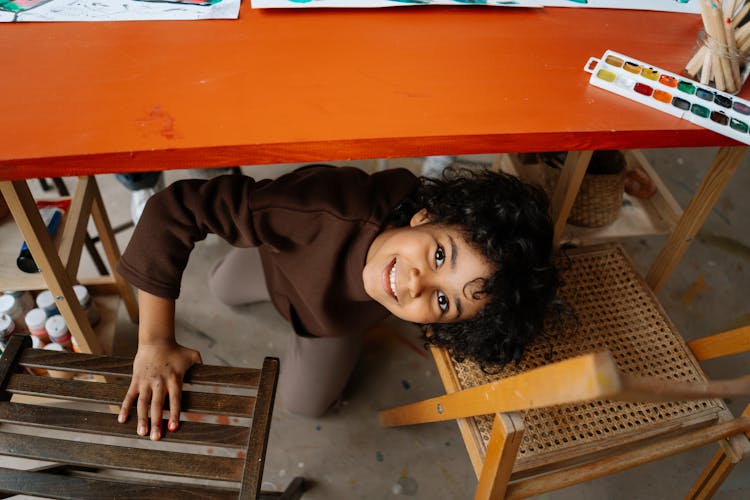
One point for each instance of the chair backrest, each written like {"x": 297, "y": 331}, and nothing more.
{"x": 220, "y": 445}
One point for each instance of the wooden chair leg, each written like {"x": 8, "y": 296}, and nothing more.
{"x": 712, "y": 477}
{"x": 507, "y": 432}
{"x": 294, "y": 490}
{"x": 716, "y": 472}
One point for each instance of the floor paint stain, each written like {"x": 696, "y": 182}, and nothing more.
{"x": 379, "y": 456}
{"x": 405, "y": 486}
{"x": 405, "y": 384}
{"x": 729, "y": 245}
{"x": 699, "y": 285}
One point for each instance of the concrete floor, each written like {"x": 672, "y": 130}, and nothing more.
{"x": 350, "y": 456}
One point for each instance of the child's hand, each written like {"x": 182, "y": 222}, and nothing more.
{"x": 158, "y": 370}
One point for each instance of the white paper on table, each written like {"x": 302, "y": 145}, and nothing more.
{"x": 122, "y": 10}
{"x": 687, "y": 6}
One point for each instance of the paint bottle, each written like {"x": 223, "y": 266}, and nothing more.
{"x": 57, "y": 373}
{"x": 7, "y": 327}
{"x": 46, "y": 302}
{"x": 52, "y": 217}
{"x": 88, "y": 305}
{"x": 24, "y": 297}
{"x": 74, "y": 343}
{"x": 58, "y": 332}
{"x": 12, "y": 307}
{"x": 35, "y": 321}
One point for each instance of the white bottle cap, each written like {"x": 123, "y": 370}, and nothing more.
{"x": 54, "y": 347}
{"x": 56, "y": 326}
{"x": 8, "y": 304}
{"x": 45, "y": 300}
{"x": 82, "y": 293}
{"x": 36, "y": 342}
{"x": 35, "y": 319}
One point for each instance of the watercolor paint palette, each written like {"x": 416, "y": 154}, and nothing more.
{"x": 674, "y": 94}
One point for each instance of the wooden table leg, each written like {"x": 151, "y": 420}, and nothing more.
{"x": 567, "y": 188}
{"x": 107, "y": 238}
{"x": 26, "y": 215}
{"x": 716, "y": 179}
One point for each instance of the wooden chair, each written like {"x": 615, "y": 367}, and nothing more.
{"x": 569, "y": 412}
{"x": 220, "y": 445}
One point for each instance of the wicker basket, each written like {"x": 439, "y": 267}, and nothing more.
{"x": 599, "y": 199}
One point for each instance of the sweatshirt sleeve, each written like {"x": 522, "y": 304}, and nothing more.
{"x": 178, "y": 216}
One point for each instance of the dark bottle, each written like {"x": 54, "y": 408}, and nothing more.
{"x": 52, "y": 218}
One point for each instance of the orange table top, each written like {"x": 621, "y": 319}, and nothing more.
{"x": 327, "y": 84}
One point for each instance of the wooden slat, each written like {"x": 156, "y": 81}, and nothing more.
{"x": 567, "y": 187}
{"x": 76, "y": 390}
{"x": 118, "y": 366}
{"x": 76, "y": 220}
{"x": 121, "y": 457}
{"x": 721, "y": 344}
{"x": 591, "y": 376}
{"x": 74, "y": 488}
{"x": 104, "y": 423}
{"x": 256, "y": 447}
{"x": 107, "y": 239}
{"x": 9, "y": 362}
{"x": 649, "y": 453}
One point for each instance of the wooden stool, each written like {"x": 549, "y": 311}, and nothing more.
{"x": 95, "y": 457}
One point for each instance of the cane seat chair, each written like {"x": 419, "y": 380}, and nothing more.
{"x": 529, "y": 431}
{"x": 218, "y": 451}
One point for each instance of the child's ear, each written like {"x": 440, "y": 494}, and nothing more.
{"x": 419, "y": 218}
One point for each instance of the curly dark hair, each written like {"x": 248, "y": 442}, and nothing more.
{"x": 508, "y": 222}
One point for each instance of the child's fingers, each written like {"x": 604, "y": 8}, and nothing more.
{"x": 127, "y": 402}
{"x": 157, "y": 407}
{"x": 175, "y": 393}
{"x": 144, "y": 398}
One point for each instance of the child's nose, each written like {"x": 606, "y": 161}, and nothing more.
{"x": 415, "y": 282}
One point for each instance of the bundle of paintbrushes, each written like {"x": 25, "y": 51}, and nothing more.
{"x": 723, "y": 46}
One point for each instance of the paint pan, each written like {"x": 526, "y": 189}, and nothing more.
{"x": 682, "y": 97}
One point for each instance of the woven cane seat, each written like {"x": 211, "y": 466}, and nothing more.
{"x": 615, "y": 310}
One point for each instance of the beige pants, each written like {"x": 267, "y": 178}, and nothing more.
{"x": 314, "y": 370}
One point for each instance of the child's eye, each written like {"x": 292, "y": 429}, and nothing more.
{"x": 442, "y": 300}
{"x": 439, "y": 256}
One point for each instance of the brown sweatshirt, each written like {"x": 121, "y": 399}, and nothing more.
{"x": 313, "y": 228}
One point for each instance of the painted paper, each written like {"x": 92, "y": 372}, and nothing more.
{"x": 116, "y": 10}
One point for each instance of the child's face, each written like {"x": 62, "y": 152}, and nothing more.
{"x": 425, "y": 273}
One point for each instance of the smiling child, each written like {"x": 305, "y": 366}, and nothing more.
{"x": 336, "y": 250}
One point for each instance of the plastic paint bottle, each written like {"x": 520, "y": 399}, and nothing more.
{"x": 58, "y": 332}
{"x": 24, "y": 297}
{"x": 7, "y": 327}
{"x": 10, "y": 306}
{"x": 46, "y": 302}
{"x": 88, "y": 305}
{"x": 52, "y": 217}
{"x": 35, "y": 320}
